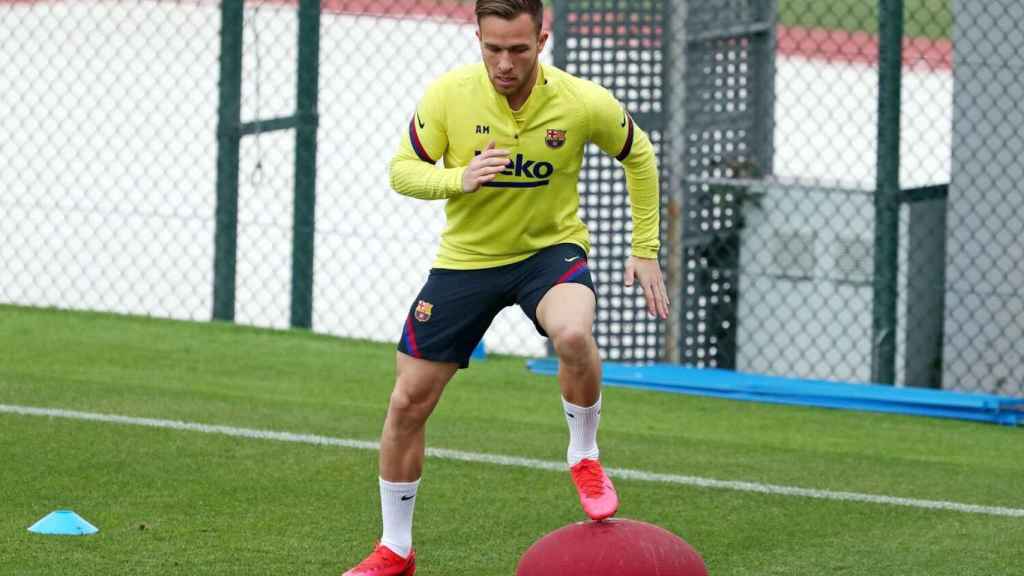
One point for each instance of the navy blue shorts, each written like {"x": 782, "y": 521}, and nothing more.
{"x": 455, "y": 307}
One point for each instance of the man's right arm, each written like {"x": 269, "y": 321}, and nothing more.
{"x": 419, "y": 178}
{"x": 414, "y": 171}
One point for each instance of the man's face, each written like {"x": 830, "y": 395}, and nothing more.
{"x": 510, "y": 50}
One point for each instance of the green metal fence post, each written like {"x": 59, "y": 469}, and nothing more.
{"x": 304, "y": 211}
{"x": 674, "y": 107}
{"x": 228, "y": 143}
{"x": 890, "y": 57}
{"x": 559, "y": 27}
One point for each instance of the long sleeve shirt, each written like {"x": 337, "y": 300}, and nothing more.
{"x": 534, "y": 203}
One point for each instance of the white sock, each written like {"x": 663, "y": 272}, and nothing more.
{"x": 582, "y": 431}
{"x": 397, "y": 502}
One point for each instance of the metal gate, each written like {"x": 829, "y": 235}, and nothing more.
{"x": 620, "y": 45}
{"x": 700, "y": 82}
{"x": 726, "y": 127}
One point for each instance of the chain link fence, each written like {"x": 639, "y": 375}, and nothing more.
{"x": 883, "y": 241}
{"x": 816, "y": 223}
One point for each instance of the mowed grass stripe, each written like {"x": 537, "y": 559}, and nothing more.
{"x": 502, "y": 460}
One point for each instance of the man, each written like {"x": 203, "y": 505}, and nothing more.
{"x": 511, "y": 133}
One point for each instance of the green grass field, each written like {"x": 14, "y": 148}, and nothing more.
{"x": 184, "y": 502}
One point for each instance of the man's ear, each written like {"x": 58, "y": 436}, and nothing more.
{"x": 541, "y": 40}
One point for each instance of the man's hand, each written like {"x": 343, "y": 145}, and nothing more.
{"x": 484, "y": 168}
{"x": 649, "y": 274}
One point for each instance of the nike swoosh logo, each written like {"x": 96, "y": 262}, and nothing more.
{"x": 572, "y": 259}
{"x": 404, "y": 498}
{"x": 623, "y": 121}
{"x": 422, "y": 125}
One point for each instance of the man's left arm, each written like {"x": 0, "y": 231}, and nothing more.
{"x": 613, "y": 130}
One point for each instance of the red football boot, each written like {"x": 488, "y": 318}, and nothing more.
{"x": 383, "y": 562}
{"x": 597, "y": 495}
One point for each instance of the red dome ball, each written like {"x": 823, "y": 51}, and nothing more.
{"x": 614, "y": 547}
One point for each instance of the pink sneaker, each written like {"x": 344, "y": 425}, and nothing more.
{"x": 383, "y": 562}
{"x": 597, "y": 495}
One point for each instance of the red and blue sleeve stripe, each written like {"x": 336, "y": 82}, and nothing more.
{"x": 628, "y": 146}
{"x": 414, "y": 138}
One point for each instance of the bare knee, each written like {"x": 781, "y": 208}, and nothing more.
{"x": 413, "y": 399}
{"x": 573, "y": 344}
{"x": 407, "y": 409}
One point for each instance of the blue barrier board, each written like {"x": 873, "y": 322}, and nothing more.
{"x": 793, "y": 391}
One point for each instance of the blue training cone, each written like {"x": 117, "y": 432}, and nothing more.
{"x": 63, "y": 522}
{"x": 480, "y": 352}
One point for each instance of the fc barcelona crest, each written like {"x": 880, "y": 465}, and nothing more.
{"x": 555, "y": 138}
{"x": 423, "y": 310}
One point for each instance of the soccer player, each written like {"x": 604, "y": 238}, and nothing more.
{"x": 511, "y": 133}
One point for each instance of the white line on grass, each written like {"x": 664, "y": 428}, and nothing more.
{"x": 500, "y": 460}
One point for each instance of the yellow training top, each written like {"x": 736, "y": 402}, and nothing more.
{"x": 534, "y": 203}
